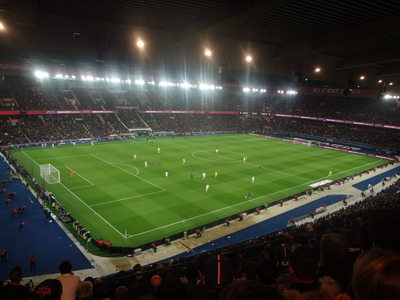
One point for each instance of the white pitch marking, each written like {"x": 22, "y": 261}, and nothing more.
{"x": 83, "y": 202}
{"x": 87, "y": 180}
{"x": 240, "y": 203}
{"x": 123, "y": 170}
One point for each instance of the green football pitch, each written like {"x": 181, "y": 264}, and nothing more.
{"x": 117, "y": 198}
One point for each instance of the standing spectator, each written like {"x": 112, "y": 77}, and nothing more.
{"x": 154, "y": 246}
{"x": 198, "y": 232}
{"x": 281, "y": 203}
{"x": 227, "y": 221}
{"x": 3, "y": 256}
{"x": 21, "y": 225}
{"x": 32, "y": 263}
{"x": 69, "y": 281}
{"x": 14, "y": 290}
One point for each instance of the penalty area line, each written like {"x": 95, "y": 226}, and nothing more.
{"x": 87, "y": 180}
{"x": 83, "y": 202}
{"x": 123, "y": 170}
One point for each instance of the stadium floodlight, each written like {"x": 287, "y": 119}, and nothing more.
{"x": 41, "y": 75}
{"x": 66, "y": 76}
{"x": 207, "y": 52}
{"x": 128, "y": 81}
{"x": 218, "y": 87}
{"x": 255, "y": 90}
{"x": 262, "y": 91}
{"x": 380, "y": 81}
{"x": 115, "y": 80}
{"x": 140, "y": 44}
{"x": 362, "y": 77}
{"x": 387, "y": 96}
{"x": 150, "y": 82}
{"x": 246, "y": 89}
{"x": 317, "y": 69}
{"x": 73, "y": 77}
{"x": 291, "y": 92}
{"x": 248, "y": 58}
{"x": 204, "y": 86}
{"x": 391, "y": 83}
{"x": 166, "y": 84}
{"x": 2, "y": 27}
{"x": 186, "y": 85}
{"x": 89, "y": 78}
{"x": 58, "y": 76}
{"x": 139, "y": 82}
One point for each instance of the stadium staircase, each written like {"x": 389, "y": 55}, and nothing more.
{"x": 119, "y": 119}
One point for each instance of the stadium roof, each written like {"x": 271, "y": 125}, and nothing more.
{"x": 351, "y": 36}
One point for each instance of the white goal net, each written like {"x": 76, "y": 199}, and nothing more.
{"x": 50, "y": 174}
{"x": 302, "y": 141}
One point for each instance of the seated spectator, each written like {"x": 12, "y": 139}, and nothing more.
{"x": 249, "y": 290}
{"x": 85, "y": 291}
{"x": 376, "y": 275}
{"x": 50, "y": 289}
{"x": 334, "y": 252}
{"x": 303, "y": 267}
{"x": 14, "y": 290}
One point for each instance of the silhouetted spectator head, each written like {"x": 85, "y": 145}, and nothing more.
{"x": 85, "y": 289}
{"x": 376, "y": 275}
{"x": 65, "y": 267}
{"x": 267, "y": 272}
{"x": 121, "y": 293}
{"x": 15, "y": 275}
{"x": 249, "y": 290}
{"x": 333, "y": 249}
{"x": 303, "y": 263}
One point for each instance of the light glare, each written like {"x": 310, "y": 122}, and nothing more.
{"x": 140, "y": 44}
{"x": 2, "y": 27}
{"x": 41, "y": 75}
{"x": 208, "y": 52}
{"x": 249, "y": 58}
{"x": 317, "y": 70}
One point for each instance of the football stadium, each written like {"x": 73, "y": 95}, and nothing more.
{"x": 199, "y": 149}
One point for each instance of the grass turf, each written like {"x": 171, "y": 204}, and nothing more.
{"x": 116, "y": 198}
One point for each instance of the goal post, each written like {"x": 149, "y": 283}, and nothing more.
{"x": 49, "y": 173}
{"x": 302, "y": 141}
